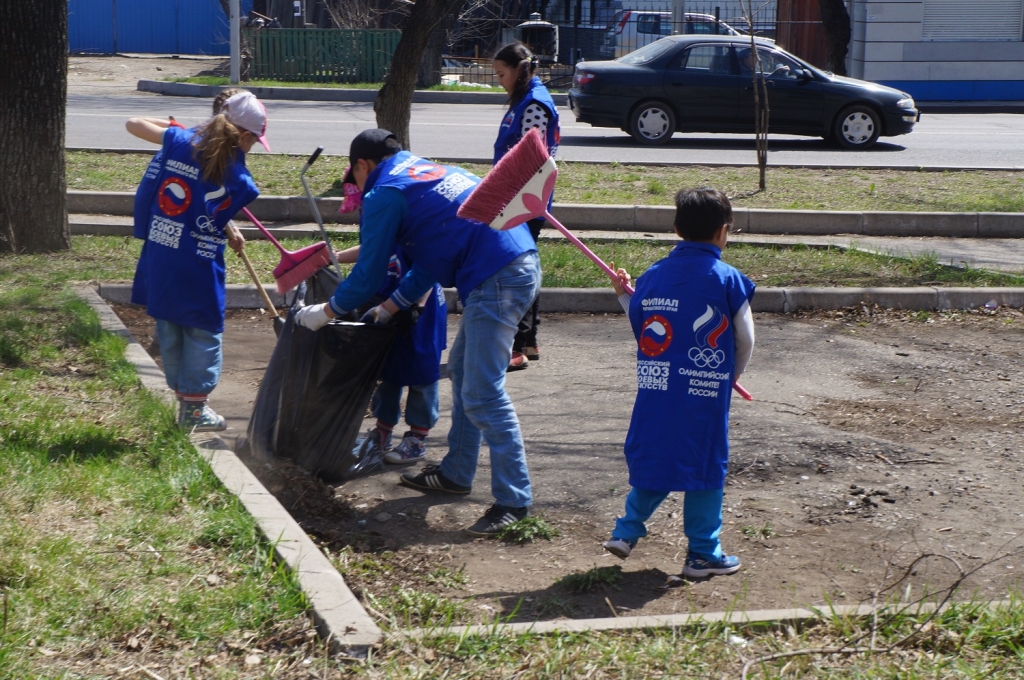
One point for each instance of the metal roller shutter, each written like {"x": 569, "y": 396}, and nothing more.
{"x": 970, "y": 20}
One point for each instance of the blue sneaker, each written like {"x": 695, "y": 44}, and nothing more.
{"x": 411, "y": 449}
{"x": 619, "y": 547}
{"x": 698, "y": 567}
{"x": 374, "y": 446}
{"x": 197, "y": 416}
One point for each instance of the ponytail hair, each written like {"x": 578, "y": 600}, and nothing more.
{"x": 215, "y": 146}
{"x": 518, "y": 56}
{"x": 223, "y": 96}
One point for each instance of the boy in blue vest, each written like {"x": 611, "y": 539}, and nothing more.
{"x": 695, "y": 333}
{"x": 412, "y": 203}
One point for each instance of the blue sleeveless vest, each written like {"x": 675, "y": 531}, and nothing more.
{"x": 511, "y": 125}
{"x": 455, "y": 252}
{"x": 180, "y": 274}
{"x": 415, "y": 356}
{"x": 682, "y": 315}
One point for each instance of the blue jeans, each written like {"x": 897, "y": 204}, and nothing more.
{"x": 191, "y": 356}
{"x": 702, "y": 518}
{"x": 420, "y": 408}
{"x": 481, "y": 408}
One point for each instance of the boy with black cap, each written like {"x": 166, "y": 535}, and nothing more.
{"x": 412, "y": 203}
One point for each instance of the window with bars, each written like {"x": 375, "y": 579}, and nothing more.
{"x": 972, "y": 20}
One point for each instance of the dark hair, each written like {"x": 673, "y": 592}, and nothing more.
{"x": 517, "y": 56}
{"x": 215, "y": 146}
{"x": 701, "y": 212}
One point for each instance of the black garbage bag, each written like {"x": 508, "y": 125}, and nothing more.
{"x": 314, "y": 395}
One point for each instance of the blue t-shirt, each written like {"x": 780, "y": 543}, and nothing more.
{"x": 180, "y": 275}
{"x": 682, "y": 314}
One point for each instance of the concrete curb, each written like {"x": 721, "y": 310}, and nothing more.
{"x": 645, "y": 218}
{"x": 736, "y": 618}
{"x": 770, "y": 300}
{"x": 330, "y": 94}
{"x": 339, "y": 617}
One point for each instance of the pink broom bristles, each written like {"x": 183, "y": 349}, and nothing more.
{"x": 518, "y": 189}
{"x": 295, "y": 266}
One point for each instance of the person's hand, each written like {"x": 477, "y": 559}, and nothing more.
{"x": 314, "y": 317}
{"x": 376, "y": 314}
{"x": 624, "y": 279}
{"x": 235, "y": 239}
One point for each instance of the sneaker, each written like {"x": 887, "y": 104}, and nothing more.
{"x": 197, "y": 416}
{"x": 410, "y": 450}
{"x": 619, "y": 547}
{"x": 518, "y": 362}
{"x": 532, "y": 353}
{"x": 374, "y": 446}
{"x": 698, "y": 567}
{"x": 431, "y": 479}
{"x": 497, "y": 518}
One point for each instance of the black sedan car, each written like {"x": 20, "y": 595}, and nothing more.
{"x": 695, "y": 83}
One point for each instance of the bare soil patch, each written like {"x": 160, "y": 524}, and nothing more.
{"x": 875, "y": 437}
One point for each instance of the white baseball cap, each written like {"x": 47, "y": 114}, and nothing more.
{"x": 244, "y": 110}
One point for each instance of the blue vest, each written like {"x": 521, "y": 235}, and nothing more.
{"x": 511, "y": 128}
{"x": 180, "y": 274}
{"x": 456, "y": 252}
{"x": 682, "y": 315}
{"x": 415, "y": 356}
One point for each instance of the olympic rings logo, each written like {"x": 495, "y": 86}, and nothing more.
{"x": 205, "y": 224}
{"x": 706, "y": 358}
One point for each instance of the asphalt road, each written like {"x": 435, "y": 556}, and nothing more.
{"x": 467, "y": 131}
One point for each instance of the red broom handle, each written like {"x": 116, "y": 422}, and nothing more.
{"x": 266, "y": 232}
{"x": 614, "y": 277}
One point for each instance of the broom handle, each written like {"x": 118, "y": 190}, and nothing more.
{"x": 266, "y": 232}
{"x": 614, "y": 277}
{"x": 255, "y": 279}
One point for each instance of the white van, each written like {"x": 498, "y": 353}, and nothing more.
{"x": 631, "y": 29}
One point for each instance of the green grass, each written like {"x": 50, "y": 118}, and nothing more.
{"x": 528, "y": 530}
{"x": 788, "y": 188}
{"x": 598, "y": 577}
{"x": 111, "y": 525}
{"x": 112, "y": 259}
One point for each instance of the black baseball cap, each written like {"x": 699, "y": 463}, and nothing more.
{"x": 372, "y": 144}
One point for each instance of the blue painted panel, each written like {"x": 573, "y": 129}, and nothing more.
{"x": 961, "y": 90}
{"x": 91, "y": 26}
{"x": 149, "y": 27}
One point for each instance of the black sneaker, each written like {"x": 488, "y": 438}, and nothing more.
{"x": 431, "y": 479}
{"x": 497, "y": 518}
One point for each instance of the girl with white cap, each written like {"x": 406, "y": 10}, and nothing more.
{"x": 194, "y": 186}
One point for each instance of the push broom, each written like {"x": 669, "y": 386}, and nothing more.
{"x": 295, "y": 266}
{"x": 518, "y": 189}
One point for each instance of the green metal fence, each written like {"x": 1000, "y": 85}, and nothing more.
{"x": 321, "y": 55}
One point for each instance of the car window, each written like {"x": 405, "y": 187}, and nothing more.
{"x": 648, "y": 23}
{"x": 701, "y": 27}
{"x": 773, "y": 64}
{"x": 648, "y": 53}
{"x": 713, "y": 59}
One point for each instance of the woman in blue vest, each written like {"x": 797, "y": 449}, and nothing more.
{"x": 189, "y": 193}
{"x": 412, "y": 203}
{"x": 529, "y": 106}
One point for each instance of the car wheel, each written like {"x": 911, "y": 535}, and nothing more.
{"x": 652, "y": 123}
{"x": 857, "y": 127}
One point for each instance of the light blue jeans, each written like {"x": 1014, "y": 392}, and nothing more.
{"x": 481, "y": 408}
{"x": 702, "y": 518}
{"x": 420, "y": 408}
{"x": 191, "y": 356}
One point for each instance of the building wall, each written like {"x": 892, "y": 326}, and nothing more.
{"x": 973, "y": 51}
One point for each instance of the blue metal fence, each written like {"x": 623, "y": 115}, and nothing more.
{"x": 147, "y": 26}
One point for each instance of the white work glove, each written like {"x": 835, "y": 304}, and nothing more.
{"x": 313, "y": 317}
{"x": 376, "y": 315}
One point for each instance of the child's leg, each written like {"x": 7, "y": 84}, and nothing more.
{"x": 198, "y": 375}
{"x": 387, "y": 406}
{"x": 640, "y": 505}
{"x": 702, "y": 522}
{"x": 420, "y": 415}
{"x": 171, "y": 341}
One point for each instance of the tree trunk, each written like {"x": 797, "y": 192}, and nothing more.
{"x": 33, "y": 89}
{"x": 761, "y": 108}
{"x": 430, "y": 65}
{"x": 836, "y": 21}
{"x": 394, "y": 101}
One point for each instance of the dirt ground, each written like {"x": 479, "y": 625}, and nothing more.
{"x": 87, "y": 72}
{"x": 874, "y": 438}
